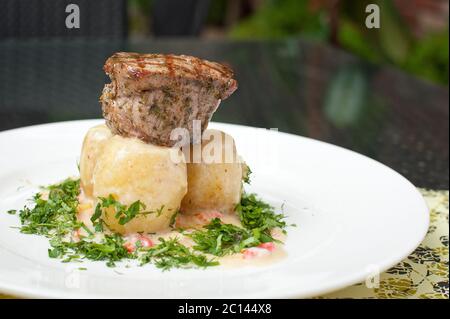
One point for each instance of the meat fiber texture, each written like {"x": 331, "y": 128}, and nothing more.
{"x": 152, "y": 94}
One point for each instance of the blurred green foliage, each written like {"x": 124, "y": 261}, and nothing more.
{"x": 144, "y": 5}
{"x": 393, "y": 43}
{"x": 216, "y": 12}
{"x": 280, "y": 18}
{"x": 429, "y": 58}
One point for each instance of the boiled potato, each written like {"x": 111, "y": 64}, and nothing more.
{"x": 132, "y": 170}
{"x": 215, "y": 181}
{"x": 92, "y": 147}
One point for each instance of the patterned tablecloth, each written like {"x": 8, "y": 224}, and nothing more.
{"x": 424, "y": 274}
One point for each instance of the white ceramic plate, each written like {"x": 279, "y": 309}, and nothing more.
{"x": 354, "y": 217}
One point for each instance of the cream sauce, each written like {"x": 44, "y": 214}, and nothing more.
{"x": 255, "y": 256}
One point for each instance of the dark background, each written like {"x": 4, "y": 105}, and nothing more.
{"x": 307, "y": 67}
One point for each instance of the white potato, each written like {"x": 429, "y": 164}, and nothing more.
{"x": 92, "y": 147}
{"x": 132, "y": 170}
{"x": 215, "y": 181}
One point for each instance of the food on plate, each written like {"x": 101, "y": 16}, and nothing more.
{"x": 92, "y": 146}
{"x": 215, "y": 182}
{"x": 131, "y": 170}
{"x": 151, "y": 94}
{"x": 140, "y": 196}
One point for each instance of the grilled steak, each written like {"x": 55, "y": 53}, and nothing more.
{"x": 151, "y": 94}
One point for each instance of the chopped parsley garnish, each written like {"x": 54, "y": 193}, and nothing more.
{"x": 258, "y": 219}
{"x": 247, "y": 173}
{"x": 223, "y": 239}
{"x": 171, "y": 254}
{"x": 173, "y": 219}
{"x": 111, "y": 249}
{"x": 256, "y": 214}
{"x": 56, "y": 215}
{"x": 123, "y": 213}
{"x": 96, "y": 219}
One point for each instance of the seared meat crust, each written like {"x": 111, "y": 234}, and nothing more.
{"x": 151, "y": 94}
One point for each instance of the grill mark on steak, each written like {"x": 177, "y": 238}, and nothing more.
{"x": 169, "y": 64}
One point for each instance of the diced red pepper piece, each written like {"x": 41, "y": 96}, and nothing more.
{"x": 270, "y": 246}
